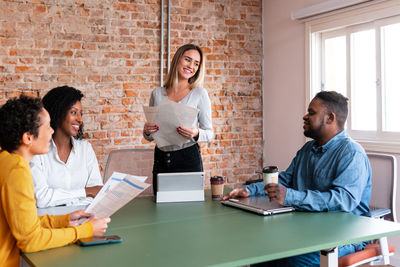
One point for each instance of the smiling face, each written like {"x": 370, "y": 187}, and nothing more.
{"x": 315, "y": 119}
{"x": 188, "y": 64}
{"x": 40, "y": 144}
{"x": 72, "y": 121}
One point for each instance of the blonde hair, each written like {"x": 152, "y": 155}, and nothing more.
{"x": 198, "y": 77}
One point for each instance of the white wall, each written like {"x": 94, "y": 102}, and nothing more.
{"x": 284, "y": 87}
{"x": 283, "y": 81}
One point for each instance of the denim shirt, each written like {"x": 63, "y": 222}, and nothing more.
{"x": 332, "y": 177}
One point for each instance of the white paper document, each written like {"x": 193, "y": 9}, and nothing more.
{"x": 150, "y": 113}
{"x": 169, "y": 116}
{"x": 119, "y": 189}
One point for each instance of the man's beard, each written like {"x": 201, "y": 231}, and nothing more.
{"x": 314, "y": 133}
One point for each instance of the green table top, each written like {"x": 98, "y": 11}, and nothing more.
{"x": 144, "y": 211}
{"x": 210, "y": 234}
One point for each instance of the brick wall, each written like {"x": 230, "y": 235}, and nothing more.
{"x": 109, "y": 49}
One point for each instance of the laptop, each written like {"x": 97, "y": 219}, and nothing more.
{"x": 258, "y": 204}
{"x": 180, "y": 187}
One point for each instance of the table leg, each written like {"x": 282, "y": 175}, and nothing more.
{"x": 329, "y": 257}
{"x": 384, "y": 249}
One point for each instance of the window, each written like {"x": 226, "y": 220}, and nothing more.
{"x": 390, "y": 36}
{"x": 359, "y": 56}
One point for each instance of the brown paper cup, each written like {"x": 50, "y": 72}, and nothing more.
{"x": 217, "y": 187}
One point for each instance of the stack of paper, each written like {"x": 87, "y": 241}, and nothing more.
{"x": 169, "y": 116}
{"x": 119, "y": 190}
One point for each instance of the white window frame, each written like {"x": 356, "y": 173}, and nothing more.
{"x": 378, "y": 14}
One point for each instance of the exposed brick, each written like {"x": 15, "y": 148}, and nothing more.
{"x": 125, "y": 7}
{"x": 26, "y": 69}
{"x": 39, "y": 10}
{"x": 112, "y": 55}
{"x": 114, "y": 109}
{"x": 94, "y": 78}
{"x": 25, "y": 52}
{"x": 7, "y": 42}
{"x": 117, "y": 55}
{"x": 99, "y": 135}
{"x": 120, "y": 141}
{"x": 112, "y": 133}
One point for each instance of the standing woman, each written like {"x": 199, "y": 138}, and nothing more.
{"x": 69, "y": 173}
{"x": 183, "y": 85}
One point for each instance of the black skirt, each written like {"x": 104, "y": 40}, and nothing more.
{"x": 185, "y": 160}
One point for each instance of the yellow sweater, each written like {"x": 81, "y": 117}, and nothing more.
{"x": 20, "y": 226}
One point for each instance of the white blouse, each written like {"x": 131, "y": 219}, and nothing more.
{"x": 58, "y": 183}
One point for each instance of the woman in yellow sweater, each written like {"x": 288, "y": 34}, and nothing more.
{"x": 24, "y": 132}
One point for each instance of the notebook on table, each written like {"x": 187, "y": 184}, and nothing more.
{"x": 180, "y": 187}
{"x": 258, "y": 204}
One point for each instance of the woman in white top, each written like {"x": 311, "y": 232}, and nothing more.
{"x": 69, "y": 173}
{"x": 183, "y": 85}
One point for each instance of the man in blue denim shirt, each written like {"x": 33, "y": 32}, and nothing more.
{"x": 329, "y": 173}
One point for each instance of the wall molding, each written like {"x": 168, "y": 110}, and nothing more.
{"x": 379, "y": 146}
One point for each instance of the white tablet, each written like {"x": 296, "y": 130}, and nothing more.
{"x": 180, "y": 187}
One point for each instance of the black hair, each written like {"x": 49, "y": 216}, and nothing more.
{"x": 18, "y": 116}
{"x": 58, "y": 101}
{"x": 335, "y": 103}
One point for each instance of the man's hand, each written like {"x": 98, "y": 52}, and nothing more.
{"x": 92, "y": 191}
{"x": 75, "y": 216}
{"x": 188, "y": 133}
{"x": 237, "y": 193}
{"x": 276, "y": 193}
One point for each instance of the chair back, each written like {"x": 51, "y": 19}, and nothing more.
{"x": 384, "y": 180}
{"x": 135, "y": 161}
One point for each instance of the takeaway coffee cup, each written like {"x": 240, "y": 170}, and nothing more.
{"x": 270, "y": 174}
{"x": 217, "y": 187}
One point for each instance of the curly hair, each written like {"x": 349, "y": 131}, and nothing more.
{"x": 18, "y": 116}
{"x": 58, "y": 101}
